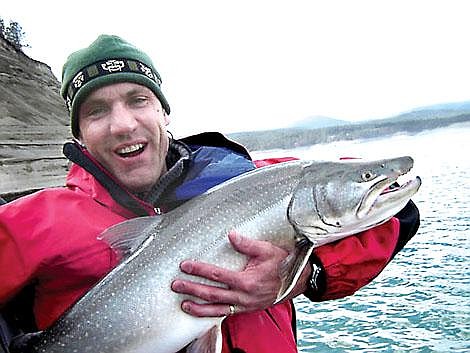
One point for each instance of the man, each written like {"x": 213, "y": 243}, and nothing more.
{"x": 125, "y": 165}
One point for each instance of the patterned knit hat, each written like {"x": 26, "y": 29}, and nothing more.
{"x": 109, "y": 59}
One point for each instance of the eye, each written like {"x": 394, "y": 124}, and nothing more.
{"x": 367, "y": 176}
{"x": 95, "y": 111}
{"x": 138, "y": 101}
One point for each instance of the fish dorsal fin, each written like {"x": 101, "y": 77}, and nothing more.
{"x": 292, "y": 266}
{"x": 127, "y": 236}
{"x": 210, "y": 342}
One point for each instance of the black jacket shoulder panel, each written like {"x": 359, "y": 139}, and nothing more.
{"x": 215, "y": 139}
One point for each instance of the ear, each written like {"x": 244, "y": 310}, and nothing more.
{"x": 166, "y": 118}
{"x": 79, "y": 141}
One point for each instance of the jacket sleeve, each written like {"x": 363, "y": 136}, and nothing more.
{"x": 349, "y": 264}
{"x": 343, "y": 267}
{"x": 12, "y": 274}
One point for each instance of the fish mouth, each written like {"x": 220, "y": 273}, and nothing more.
{"x": 400, "y": 191}
{"x": 388, "y": 192}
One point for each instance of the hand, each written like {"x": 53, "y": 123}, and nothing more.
{"x": 254, "y": 288}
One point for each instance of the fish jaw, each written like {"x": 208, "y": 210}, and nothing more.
{"x": 349, "y": 198}
{"x": 393, "y": 199}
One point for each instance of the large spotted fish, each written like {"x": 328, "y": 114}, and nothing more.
{"x": 297, "y": 205}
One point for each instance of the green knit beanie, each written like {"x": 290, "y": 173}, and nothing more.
{"x": 109, "y": 59}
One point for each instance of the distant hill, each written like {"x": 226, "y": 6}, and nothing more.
{"x": 444, "y": 110}
{"x": 316, "y": 122}
{"x": 455, "y": 106}
{"x": 411, "y": 122}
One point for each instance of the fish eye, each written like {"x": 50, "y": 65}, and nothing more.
{"x": 367, "y": 176}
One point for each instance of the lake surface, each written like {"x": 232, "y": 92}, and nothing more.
{"x": 421, "y": 301}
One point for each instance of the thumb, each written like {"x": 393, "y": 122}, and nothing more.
{"x": 251, "y": 247}
{"x": 243, "y": 244}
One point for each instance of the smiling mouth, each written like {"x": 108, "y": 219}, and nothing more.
{"x": 131, "y": 151}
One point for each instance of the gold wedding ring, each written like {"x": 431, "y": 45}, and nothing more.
{"x": 232, "y": 308}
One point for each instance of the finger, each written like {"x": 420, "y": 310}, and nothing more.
{"x": 253, "y": 247}
{"x": 211, "y": 272}
{"x": 210, "y": 294}
{"x": 247, "y": 246}
{"x": 208, "y": 310}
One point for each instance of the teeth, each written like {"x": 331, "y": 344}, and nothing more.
{"x": 130, "y": 149}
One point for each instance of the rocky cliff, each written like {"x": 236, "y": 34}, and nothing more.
{"x": 33, "y": 124}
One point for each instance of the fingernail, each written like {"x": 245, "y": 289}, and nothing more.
{"x": 186, "y": 307}
{"x": 235, "y": 237}
{"x": 177, "y": 285}
{"x": 186, "y": 266}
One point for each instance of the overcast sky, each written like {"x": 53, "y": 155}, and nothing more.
{"x": 247, "y": 64}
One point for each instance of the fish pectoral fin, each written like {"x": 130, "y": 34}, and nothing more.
{"x": 127, "y": 236}
{"x": 210, "y": 342}
{"x": 292, "y": 267}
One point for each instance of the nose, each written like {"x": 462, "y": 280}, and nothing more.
{"x": 123, "y": 120}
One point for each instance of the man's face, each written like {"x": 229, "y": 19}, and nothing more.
{"x": 123, "y": 126}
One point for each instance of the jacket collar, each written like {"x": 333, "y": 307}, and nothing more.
{"x": 88, "y": 175}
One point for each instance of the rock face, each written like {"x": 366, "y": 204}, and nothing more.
{"x": 33, "y": 125}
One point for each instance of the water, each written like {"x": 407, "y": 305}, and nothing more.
{"x": 421, "y": 301}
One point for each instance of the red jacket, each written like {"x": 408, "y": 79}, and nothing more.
{"x": 49, "y": 238}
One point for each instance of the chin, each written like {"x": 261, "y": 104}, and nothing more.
{"x": 141, "y": 183}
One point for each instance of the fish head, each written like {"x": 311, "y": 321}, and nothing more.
{"x": 337, "y": 199}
